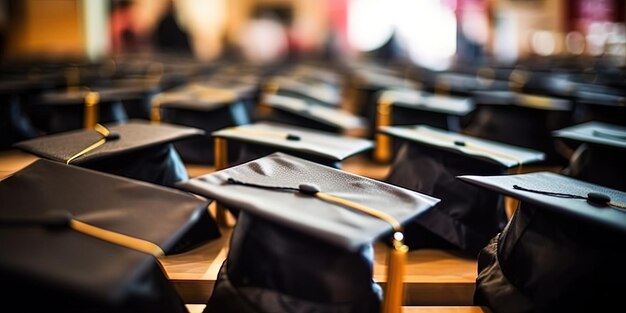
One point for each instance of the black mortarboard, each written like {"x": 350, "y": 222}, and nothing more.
{"x": 411, "y": 107}
{"x": 71, "y": 240}
{"x": 317, "y": 91}
{"x": 463, "y": 84}
{"x": 305, "y": 113}
{"x": 520, "y": 119}
{"x": 600, "y": 151}
{"x": 264, "y": 138}
{"x": 135, "y": 93}
{"x": 368, "y": 81}
{"x": 246, "y": 87}
{"x": 560, "y": 252}
{"x": 428, "y": 162}
{"x": 15, "y": 124}
{"x": 206, "y": 108}
{"x": 137, "y": 149}
{"x": 75, "y": 109}
{"x": 599, "y": 103}
{"x": 305, "y": 222}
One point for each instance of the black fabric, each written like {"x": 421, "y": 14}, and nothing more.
{"x": 159, "y": 165}
{"x": 598, "y": 164}
{"x": 200, "y": 150}
{"x": 279, "y": 270}
{"x": 599, "y": 103}
{"x": 68, "y": 271}
{"x": 136, "y": 95}
{"x": 305, "y": 113}
{"x": 249, "y": 152}
{"x": 294, "y": 252}
{"x": 16, "y": 95}
{"x": 547, "y": 262}
{"x": 520, "y": 126}
{"x": 599, "y": 152}
{"x": 467, "y": 217}
{"x": 407, "y": 115}
{"x": 144, "y": 151}
{"x": 15, "y": 125}
{"x": 66, "y": 117}
{"x": 263, "y": 138}
{"x": 148, "y": 292}
{"x": 281, "y": 116}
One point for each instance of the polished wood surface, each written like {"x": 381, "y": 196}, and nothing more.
{"x": 13, "y": 160}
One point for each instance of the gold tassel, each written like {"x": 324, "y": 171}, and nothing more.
{"x": 220, "y": 161}
{"x": 91, "y": 113}
{"x": 394, "y": 292}
{"x": 382, "y": 149}
{"x": 155, "y": 110}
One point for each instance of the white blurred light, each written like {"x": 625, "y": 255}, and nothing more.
{"x": 596, "y": 37}
{"x": 475, "y": 25}
{"x": 429, "y": 30}
{"x": 575, "y": 43}
{"x": 543, "y": 43}
{"x": 506, "y": 36}
{"x": 369, "y": 24}
{"x": 264, "y": 40}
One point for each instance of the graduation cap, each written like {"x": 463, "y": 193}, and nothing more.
{"x": 600, "y": 150}
{"x": 206, "y": 108}
{"x": 601, "y": 103}
{"x": 264, "y": 138}
{"x": 135, "y": 93}
{"x": 463, "y": 84}
{"x": 301, "y": 112}
{"x": 246, "y": 87}
{"x": 520, "y": 119}
{"x": 410, "y": 107}
{"x": 137, "y": 149}
{"x": 303, "y": 238}
{"x": 561, "y": 251}
{"x": 74, "y": 109}
{"x": 368, "y": 81}
{"x": 76, "y": 240}
{"x": 308, "y": 88}
{"x": 15, "y": 124}
{"x": 428, "y": 162}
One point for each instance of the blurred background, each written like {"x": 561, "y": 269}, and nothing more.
{"x": 435, "y": 34}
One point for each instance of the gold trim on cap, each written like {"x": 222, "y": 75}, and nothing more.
{"x": 92, "y": 104}
{"x": 117, "y": 238}
{"x": 102, "y": 131}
